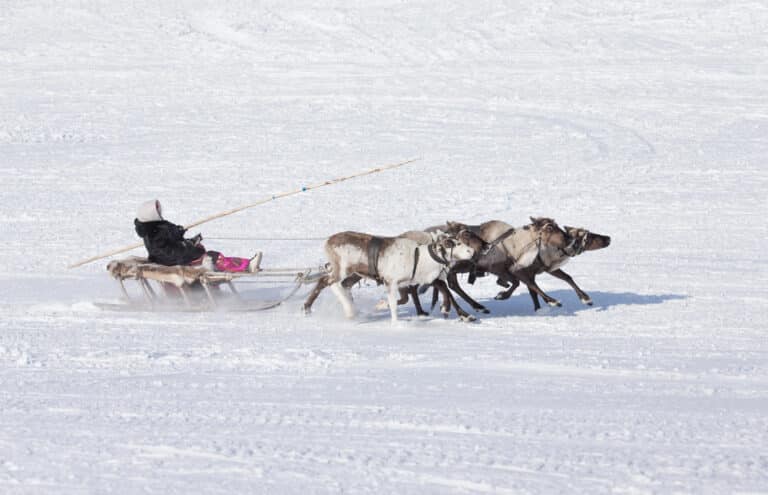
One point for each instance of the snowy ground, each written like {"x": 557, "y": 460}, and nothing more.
{"x": 646, "y": 121}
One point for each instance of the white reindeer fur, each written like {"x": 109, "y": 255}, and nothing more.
{"x": 395, "y": 268}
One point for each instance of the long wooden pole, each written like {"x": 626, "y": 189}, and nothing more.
{"x": 251, "y": 205}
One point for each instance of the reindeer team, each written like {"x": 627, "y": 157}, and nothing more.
{"x": 434, "y": 257}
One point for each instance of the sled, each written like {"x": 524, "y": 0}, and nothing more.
{"x": 196, "y": 288}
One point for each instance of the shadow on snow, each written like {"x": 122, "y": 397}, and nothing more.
{"x": 520, "y": 304}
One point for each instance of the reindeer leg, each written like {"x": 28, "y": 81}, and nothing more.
{"x": 384, "y": 303}
{"x": 530, "y": 281}
{"x": 413, "y": 290}
{"x": 451, "y": 301}
{"x": 403, "y": 295}
{"x": 322, "y": 283}
{"x": 535, "y": 299}
{"x": 463, "y": 315}
{"x": 506, "y": 294}
{"x": 583, "y": 296}
{"x": 392, "y": 294}
{"x": 342, "y": 294}
{"x": 453, "y": 283}
{"x": 440, "y": 288}
{"x": 350, "y": 281}
{"x": 403, "y": 292}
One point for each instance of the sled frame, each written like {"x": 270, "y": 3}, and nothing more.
{"x": 184, "y": 278}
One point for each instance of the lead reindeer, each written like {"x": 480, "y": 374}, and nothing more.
{"x": 550, "y": 261}
{"x": 510, "y": 250}
{"x": 397, "y": 262}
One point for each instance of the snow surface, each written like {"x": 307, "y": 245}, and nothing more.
{"x": 646, "y": 121}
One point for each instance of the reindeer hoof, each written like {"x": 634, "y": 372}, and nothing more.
{"x": 467, "y": 318}
{"x": 483, "y": 309}
{"x": 501, "y": 296}
{"x": 588, "y": 302}
{"x": 555, "y": 303}
{"x": 306, "y": 311}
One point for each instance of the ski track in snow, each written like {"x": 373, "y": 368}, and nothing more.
{"x": 646, "y": 122}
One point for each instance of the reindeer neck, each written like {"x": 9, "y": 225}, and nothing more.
{"x": 523, "y": 239}
{"x": 523, "y": 246}
{"x": 552, "y": 258}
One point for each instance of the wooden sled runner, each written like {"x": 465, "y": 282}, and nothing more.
{"x": 195, "y": 288}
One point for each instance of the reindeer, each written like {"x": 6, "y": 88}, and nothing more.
{"x": 510, "y": 250}
{"x": 550, "y": 261}
{"x": 395, "y": 261}
{"x": 425, "y": 237}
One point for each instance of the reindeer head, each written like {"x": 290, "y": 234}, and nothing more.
{"x": 454, "y": 228}
{"x": 549, "y": 233}
{"x": 584, "y": 240}
{"x": 456, "y": 247}
{"x": 469, "y": 238}
{"x": 466, "y": 236}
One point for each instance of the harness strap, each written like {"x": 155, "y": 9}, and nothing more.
{"x": 433, "y": 254}
{"x": 374, "y": 249}
{"x": 415, "y": 261}
{"x": 499, "y": 239}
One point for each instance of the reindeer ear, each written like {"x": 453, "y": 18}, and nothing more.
{"x": 533, "y": 220}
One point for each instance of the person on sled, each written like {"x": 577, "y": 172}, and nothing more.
{"x": 166, "y": 244}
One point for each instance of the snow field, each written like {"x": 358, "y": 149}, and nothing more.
{"x": 645, "y": 122}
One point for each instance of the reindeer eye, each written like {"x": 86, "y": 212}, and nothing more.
{"x": 548, "y": 228}
{"x": 449, "y": 243}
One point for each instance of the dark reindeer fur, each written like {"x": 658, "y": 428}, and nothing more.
{"x": 506, "y": 256}
{"x": 581, "y": 240}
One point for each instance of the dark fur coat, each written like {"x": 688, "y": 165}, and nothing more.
{"x": 165, "y": 243}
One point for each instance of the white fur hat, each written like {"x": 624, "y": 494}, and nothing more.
{"x": 150, "y": 211}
